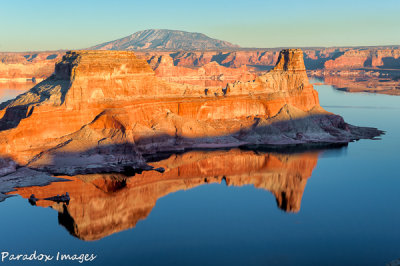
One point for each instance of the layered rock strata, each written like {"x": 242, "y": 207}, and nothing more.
{"x": 108, "y": 107}
{"x": 27, "y": 67}
{"x": 233, "y": 64}
{"x": 209, "y": 75}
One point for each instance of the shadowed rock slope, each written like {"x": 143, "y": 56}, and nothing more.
{"x": 102, "y": 110}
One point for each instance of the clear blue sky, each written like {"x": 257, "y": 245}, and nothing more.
{"x": 72, "y": 24}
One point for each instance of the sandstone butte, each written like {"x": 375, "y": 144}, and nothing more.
{"x": 102, "y": 110}
{"x": 103, "y": 98}
{"x": 103, "y": 204}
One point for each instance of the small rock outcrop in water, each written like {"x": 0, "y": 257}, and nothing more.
{"x": 101, "y": 110}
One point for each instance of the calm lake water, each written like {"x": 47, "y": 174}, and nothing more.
{"x": 345, "y": 213}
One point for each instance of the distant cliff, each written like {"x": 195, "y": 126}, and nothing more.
{"x": 211, "y": 74}
{"x": 25, "y": 66}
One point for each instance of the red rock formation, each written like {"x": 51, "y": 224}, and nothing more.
{"x": 350, "y": 59}
{"x": 209, "y": 75}
{"x": 386, "y": 58}
{"x": 101, "y": 205}
{"x": 20, "y": 67}
{"x": 382, "y": 58}
{"x": 99, "y": 99}
{"x": 228, "y": 58}
{"x": 288, "y": 76}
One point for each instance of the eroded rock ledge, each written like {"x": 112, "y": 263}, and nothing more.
{"x": 101, "y": 110}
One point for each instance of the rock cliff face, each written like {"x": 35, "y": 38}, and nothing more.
{"x": 23, "y": 67}
{"x": 224, "y": 58}
{"x": 109, "y": 108}
{"x": 376, "y": 58}
{"x": 20, "y": 67}
{"x": 103, "y": 204}
{"x": 209, "y": 75}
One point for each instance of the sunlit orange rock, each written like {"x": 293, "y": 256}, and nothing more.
{"x": 209, "y": 75}
{"x": 359, "y": 58}
{"x": 20, "y": 67}
{"x": 225, "y": 58}
{"x": 100, "y": 100}
{"x": 350, "y": 59}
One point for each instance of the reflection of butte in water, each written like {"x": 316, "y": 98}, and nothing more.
{"x": 103, "y": 204}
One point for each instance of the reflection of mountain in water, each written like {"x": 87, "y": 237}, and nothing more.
{"x": 103, "y": 204}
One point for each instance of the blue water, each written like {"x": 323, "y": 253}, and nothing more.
{"x": 349, "y": 215}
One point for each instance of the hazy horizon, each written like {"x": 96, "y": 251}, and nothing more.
{"x": 43, "y": 25}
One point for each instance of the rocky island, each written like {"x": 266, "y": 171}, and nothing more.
{"x": 102, "y": 111}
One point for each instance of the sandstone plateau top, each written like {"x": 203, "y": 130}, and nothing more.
{"x": 102, "y": 110}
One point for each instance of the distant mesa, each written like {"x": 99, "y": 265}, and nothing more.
{"x": 161, "y": 39}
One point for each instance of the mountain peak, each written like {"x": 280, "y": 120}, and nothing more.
{"x": 163, "y": 39}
